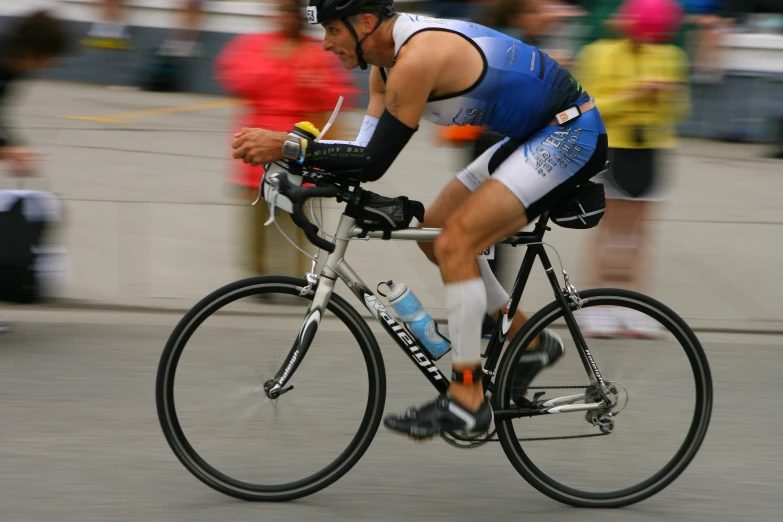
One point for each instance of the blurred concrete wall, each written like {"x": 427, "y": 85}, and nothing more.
{"x": 149, "y": 220}
{"x": 745, "y": 105}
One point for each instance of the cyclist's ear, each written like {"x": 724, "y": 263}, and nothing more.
{"x": 366, "y": 23}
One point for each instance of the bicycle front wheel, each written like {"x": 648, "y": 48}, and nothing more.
{"x": 587, "y": 454}
{"x": 215, "y": 412}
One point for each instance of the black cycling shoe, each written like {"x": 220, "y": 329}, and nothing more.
{"x": 442, "y": 414}
{"x": 549, "y": 351}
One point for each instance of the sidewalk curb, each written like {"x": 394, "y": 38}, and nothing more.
{"x": 700, "y": 325}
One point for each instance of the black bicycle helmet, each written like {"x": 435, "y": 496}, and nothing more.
{"x": 321, "y": 11}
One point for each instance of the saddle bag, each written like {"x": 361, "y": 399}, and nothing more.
{"x": 582, "y": 208}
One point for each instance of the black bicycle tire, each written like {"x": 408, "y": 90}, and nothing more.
{"x": 681, "y": 460}
{"x": 292, "y": 490}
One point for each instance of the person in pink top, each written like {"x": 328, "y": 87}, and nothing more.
{"x": 284, "y": 78}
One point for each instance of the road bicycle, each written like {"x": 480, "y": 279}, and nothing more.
{"x": 596, "y": 406}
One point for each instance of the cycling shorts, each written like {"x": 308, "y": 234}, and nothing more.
{"x": 546, "y": 166}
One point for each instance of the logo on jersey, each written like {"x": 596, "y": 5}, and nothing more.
{"x": 469, "y": 117}
{"x": 475, "y": 178}
{"x": 427, "y": 19}
{"x": 512, "y": 53}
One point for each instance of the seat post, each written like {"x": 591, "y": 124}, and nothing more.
{"x": 541, "y": 225}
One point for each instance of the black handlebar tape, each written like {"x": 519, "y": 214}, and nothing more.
{"x": 298, "y": 195}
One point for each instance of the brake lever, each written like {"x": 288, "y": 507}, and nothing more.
{"x": 272, "y": 210}
{"x": 261, "y": 185}
{"x": 297, "y": 196}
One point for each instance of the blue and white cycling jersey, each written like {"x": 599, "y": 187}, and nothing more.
{"x": 519, "y": 92}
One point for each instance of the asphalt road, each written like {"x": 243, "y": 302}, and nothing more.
{"x": 81, "y": 440}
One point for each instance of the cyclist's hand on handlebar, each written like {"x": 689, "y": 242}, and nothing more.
{"x": 258, "y": 146}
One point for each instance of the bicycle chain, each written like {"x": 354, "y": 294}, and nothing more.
{"x": 556, "y": 387}
{"x": 531, "y": 439}
{"x": 563, "y": 437}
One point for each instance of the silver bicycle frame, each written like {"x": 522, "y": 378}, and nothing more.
{"x": 336, "y": 266}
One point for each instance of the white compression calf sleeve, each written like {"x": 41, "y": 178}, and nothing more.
{"x": 497, "y": 296}
{"x": 465, "y": 305}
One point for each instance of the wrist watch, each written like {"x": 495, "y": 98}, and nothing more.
{"x": 292, "y": 148}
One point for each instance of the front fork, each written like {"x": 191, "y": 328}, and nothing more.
{"x": 326, "y": 281}
{"x": 276, "y": 387}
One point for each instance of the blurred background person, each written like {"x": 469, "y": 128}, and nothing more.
{"x": 110, "y": 31}
{"x": 452, "y": 9}
{"x": 599, "y": 20}
{"x": 640, "y": 86}
{"x": 761, "y": 16}
{"x": 284, "y": 77}
{"x": 27, "y": 44}
{"x": 183, "y": 38}
{"x": 534, "y": 22}
{"x": 168, "y": 67}
{"x": 706, "y": 36}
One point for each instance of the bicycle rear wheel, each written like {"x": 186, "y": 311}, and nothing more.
{"x": 217, "y": 417}
{"x": 664, "y": 380}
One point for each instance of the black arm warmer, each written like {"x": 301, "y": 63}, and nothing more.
{"x": 388, "y": 140}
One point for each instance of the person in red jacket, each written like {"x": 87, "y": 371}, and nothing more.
{"x": 284, "y": 78}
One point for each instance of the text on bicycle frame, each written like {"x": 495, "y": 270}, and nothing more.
{"x": 375, "y": 306}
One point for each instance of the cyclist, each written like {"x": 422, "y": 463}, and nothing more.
{"x": 456, "y": 73}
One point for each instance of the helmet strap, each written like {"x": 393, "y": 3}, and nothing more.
{"x": 359, "y": 52}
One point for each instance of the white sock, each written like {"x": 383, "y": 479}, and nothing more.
{"x": 465, "y": 305}
{"x": 497, "y": 297}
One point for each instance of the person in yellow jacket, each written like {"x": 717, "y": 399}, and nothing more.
{"x": 640, "y": 83}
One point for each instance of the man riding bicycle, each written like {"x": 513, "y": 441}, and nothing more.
{"x": 456, "y": 73}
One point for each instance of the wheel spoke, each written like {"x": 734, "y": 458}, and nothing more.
{"x": 256, "y": 447}
{"x": 673, "y": 383}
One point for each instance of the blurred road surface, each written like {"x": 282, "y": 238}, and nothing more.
{"x": 81, "y": 440}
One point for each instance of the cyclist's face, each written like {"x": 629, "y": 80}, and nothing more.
{"x": 339, "y": 40}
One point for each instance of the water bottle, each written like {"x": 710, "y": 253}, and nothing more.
{"x": 412, "y": 313}
{"x": 306, "y": 130}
